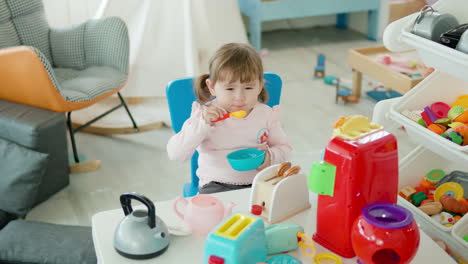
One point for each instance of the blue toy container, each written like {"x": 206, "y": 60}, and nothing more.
{"x": 239, "y": 239}
{"x": 246, "y": 159}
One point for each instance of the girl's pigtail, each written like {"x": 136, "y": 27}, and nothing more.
{"x": 201, "y": 89}
{"x": 263, "y": 96}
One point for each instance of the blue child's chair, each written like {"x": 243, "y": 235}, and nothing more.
{"x": 320, "y": 68}
{"x": 180, "y": 96}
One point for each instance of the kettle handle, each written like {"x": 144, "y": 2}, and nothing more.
{"x": 126, "y": 202}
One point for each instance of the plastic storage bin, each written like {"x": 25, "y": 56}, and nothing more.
{"x": 432, "y": 53}
{"x": 413, "y": 168}
{"x": 439, "y": 86}
{"x": 460, "y": 230}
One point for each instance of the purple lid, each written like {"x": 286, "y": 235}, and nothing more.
{"x": 387, "y": 215}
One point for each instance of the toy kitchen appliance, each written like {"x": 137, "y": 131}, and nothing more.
{"x": 239, "y": 239}
{"x": 278, "y": 197}
{"x": 361, "y": 163}
{"x": 140, "y": 234}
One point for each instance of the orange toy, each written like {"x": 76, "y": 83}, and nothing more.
{"x": 463, "y": 118}
{"x": 463, "y": 200}
{"x": 452, "y": 205}
{"x": 426, "y": 184}
{"x": 436, "y": 128}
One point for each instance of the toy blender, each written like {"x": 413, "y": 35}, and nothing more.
{"x": 360, "y": 167}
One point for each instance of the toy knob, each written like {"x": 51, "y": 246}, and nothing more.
{"x": 256, "y": 209}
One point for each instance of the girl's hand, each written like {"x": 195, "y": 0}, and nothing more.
{"x": 267, "y": 161}
{"x": 211, "y": 113}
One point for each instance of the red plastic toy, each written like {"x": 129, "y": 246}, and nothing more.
{"x": 385, "y": 234}
{"x": 366, "y": 172}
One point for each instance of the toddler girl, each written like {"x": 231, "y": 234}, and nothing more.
{"x": 235, "y": 83}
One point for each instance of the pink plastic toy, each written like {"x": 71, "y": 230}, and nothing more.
{"x": 398, "y": 65}
{"x": 202, "y": 213}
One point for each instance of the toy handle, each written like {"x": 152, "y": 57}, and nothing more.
{"x": 126, "y": 203}
{"x": 225, "y": 116}
{"x": 176, "y": 202}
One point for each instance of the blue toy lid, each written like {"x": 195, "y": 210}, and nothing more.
{"x": 283, "y": 259}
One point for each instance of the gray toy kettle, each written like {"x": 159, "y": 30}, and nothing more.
{"x": 140, "y": 234}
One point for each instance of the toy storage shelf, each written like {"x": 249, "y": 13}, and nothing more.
{"x": 364, "y": 61}
{"x": 439, "y": 86}
{"x": 449, "y": 81}
{"x": 435, "y": 54}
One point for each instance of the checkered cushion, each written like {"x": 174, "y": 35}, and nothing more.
{"x": 31, "y": 25}
{"x": 8, "y": 36}
{"x": 106, "y": 43}
{"x": 68, "y": 47}
{"x": 84, "y": 85}
{"x": 5, "y": 14}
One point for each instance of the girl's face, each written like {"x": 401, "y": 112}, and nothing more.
{"x": 234, "y": 95}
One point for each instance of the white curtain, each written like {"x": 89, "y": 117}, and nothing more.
{"x": 170, "y": 39}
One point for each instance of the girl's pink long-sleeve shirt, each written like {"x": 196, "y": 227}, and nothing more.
{"x": 214, "y": 143}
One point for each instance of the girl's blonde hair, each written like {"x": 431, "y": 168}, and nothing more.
{"x": 235, "y": 61}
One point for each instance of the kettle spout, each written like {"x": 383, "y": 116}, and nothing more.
{"x": 228, "y": 209}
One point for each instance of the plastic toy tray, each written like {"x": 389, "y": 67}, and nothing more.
{"x": 435, "y": 54}
{"x": 438, "y": 86}
{"x": 413, "y": 168}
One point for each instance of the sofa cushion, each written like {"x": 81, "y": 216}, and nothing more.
{"x": 5, "y": 218}
{"x": 34, "y": 242}
{"x": 22, "y": 171}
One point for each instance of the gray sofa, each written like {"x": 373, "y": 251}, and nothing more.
{"x": 33, "y": 167}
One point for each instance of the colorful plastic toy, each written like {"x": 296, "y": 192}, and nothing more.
{"x": 385, "y": 233}
{"x": 327, "y": 256}
{"x": 306, "y": 244}
{"x": 246, "y": 159}
{"x": 450, "y": 189}
{"x": 239, "y": 239}
{"x": 366, "y": 172}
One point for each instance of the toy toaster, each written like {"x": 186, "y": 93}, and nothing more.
{"x": 279, "y": 192}
{"x": 239, "y": 239}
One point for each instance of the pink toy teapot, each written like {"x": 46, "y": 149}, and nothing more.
{"x": 203, "y": 212}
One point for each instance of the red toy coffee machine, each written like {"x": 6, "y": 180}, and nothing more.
{"x": 364, "y": 158}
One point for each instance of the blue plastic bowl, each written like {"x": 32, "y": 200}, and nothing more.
{"x": 246, "y": 159}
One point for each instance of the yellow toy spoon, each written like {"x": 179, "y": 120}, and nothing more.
{"x": 236, "y": 114}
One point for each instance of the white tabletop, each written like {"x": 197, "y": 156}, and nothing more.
{"x": 190, "y": 249}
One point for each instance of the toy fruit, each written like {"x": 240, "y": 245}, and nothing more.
{"x": 461, "y": 100}
{"x": 436, "y": 128}
{"x": 455, "y": 111}
{"x": 452, "y": 205}
{"x": 449, "y": 188}
{"x": 463, "y": 117}
{"x": 434, "y": 176}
